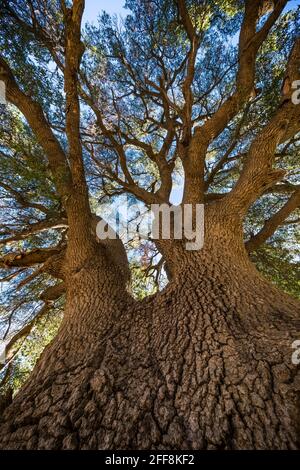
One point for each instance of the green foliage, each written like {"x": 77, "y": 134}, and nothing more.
{"x": 28, "y": 350}
{"x": 278, "y": 264}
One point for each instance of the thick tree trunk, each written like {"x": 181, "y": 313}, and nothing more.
{"x": 205, "y": 364}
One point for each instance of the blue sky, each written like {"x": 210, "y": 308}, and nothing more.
{"x": 94, "y": 7}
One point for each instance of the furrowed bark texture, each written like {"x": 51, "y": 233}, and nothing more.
{"x": 205, "y": 364}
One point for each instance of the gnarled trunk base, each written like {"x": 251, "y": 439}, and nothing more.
{"x": 205, "y": 364}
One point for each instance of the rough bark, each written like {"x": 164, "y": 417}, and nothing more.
{"x": 205, "y": 364}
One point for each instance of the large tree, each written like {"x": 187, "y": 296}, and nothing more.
{"x": 198, "y": 91}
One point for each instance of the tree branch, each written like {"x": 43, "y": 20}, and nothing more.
{"x": 22, "y": 200}
{"x": 46, "y": 224}
{"x": 257, "y": 175}
{"x": 249, "y": 43}
{"x": 34, "y": 114}
{"x": 274, "y": 222}
{"x": 28, "y": 259}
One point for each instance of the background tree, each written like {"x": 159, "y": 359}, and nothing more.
{"x": 193, "y": 92}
